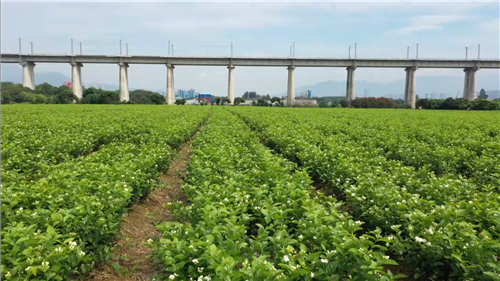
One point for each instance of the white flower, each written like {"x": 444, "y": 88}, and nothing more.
{"x": 82, "y": 253}
{"x": 420, "y": 240}
{"x": 200, "y": 269}
{"x": 72, "y": 245}
{"x": 45, "y": 264}
{"x": 285, "y": 258}
{"x": 150, "y": 240}
{"x": 7, "y": 274}
{"x": 225, "y": 199}
{"x": 428, "y": 243}
{"x": 312, "y": 274}
{"x": 301, "y": 237}
{"x": 171, "y": 277}
{"x": 324, "y": 260}
{"x": 195, "y": 261}
{"x": 357, "y": 222}
{"x": 386, "y": 257}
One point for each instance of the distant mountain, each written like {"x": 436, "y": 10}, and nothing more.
{"x": 431, "y": 85}
{"x": 13, "y": 73}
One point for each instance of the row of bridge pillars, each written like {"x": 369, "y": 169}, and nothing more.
{"x": 469, "y": 91}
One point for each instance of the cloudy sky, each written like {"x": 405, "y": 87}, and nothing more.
{"x": 319, "y": 29}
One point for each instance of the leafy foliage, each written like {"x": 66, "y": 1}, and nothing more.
{"x": 381, "y": 164}
{"x": 252, "y": 218}
{"x": 60, "y": 211}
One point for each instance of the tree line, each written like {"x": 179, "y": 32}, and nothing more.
{"x": 46, "y": 93}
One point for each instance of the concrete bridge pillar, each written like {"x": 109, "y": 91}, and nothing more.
{"x": 170, "y": 84}
{"x": 410, "y": 87}
{"x": 230, "y": 85}
{"x": 291, "y": 86}
{"x": 351, "y": 84}
{"x": 124, "y": 93}
{"x": 470, "y": 83}
{"x": 76, "y": 79}
{"x": 28, "y": 74}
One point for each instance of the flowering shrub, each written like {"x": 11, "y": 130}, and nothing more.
{"x": 446, "y": 226}
{"x": 252, "y": 217}
{"x": 59, "y": 223}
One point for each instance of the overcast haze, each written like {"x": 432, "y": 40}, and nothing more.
{"x": 256, "y": 29}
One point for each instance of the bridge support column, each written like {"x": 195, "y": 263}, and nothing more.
{"x": 124, "y": 93}
{"x": 291, "y": 86}
{"x": 470, "y": 83}
{"x": 76, "y": 79}
{"x": 351, "y": 84}
{"x": 230, "y": 85}
{"x": 410, "y": 87}
{"x": 170, "y": 84}
{"x": 28, "y": 74}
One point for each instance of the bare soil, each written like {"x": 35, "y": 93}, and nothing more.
{"x": 131, "y": 256}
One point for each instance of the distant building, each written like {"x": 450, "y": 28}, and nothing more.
{"x": 183, "y": 94}
{"x": 205, "y": 98}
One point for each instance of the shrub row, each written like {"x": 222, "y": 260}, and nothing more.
{"x": 445, "y": 228}
{"x": 61, "y": 224}
{"x": 251, "y": 217}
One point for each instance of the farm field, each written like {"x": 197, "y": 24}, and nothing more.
{"x": 274, "y": 193}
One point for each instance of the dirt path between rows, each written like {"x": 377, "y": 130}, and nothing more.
{"x": 131, "y": 257}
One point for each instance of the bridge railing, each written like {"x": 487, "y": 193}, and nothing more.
{"x": 257, "y": 57}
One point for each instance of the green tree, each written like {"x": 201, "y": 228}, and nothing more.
{"x": 6, "y": 97}
{"x": 262, "y": 102}
{"x": 225, "y": 100}
{"x": 323, "y": 104}
{"x": 276, "y": 100}
{"x": 238, "y": 100}
{"x": 335, "y": 103}
{"x": 482, "y": 94}
{"x": 158, "y": 98}
{"x": 64, "y": 95}
{"x": 180, "y": 101}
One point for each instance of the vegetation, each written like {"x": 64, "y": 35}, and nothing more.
{"x": 180, "y": 101}
{"x": 427, "y": 179}
{"x": 46, "y": 93}
{"x": 287, "y": 193}
{"x": 238, "y": 100}
{"x": 265, "y": 223}
{"x": 458, "y": 104}
{"x": 146, "y": 97}
{"x": 69, "y": 175}
{"x": 373, "y": 103}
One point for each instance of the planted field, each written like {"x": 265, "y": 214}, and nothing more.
{"x": 274, "y": 193}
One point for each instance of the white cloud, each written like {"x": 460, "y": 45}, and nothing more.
{"x": 429, "y": 22}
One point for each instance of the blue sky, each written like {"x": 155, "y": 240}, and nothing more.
{"x": 319, "y": 29}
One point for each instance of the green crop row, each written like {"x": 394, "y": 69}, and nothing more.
{"x": 34, "y": 138}
{"x": 447, "y": 228}
{"x": 255, "y": 216}
{"x": 453, "y": 144}
{"x": 60, "y": 225}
